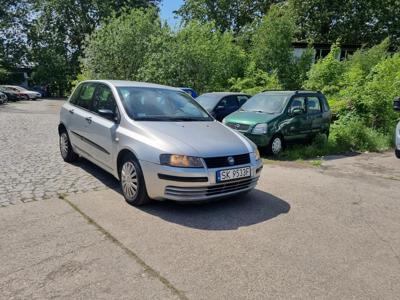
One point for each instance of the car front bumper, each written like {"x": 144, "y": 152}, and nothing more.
{"x": 258, "y": 139}
{"x": 187, "y": 184}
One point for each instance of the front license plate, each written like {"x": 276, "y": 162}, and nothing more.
{"x": 231, "y": 174}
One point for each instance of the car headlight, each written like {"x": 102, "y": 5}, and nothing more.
{"x": 260, "y": 129}
{"x": 181, "y": 161}
{"x": 257, "y": 154}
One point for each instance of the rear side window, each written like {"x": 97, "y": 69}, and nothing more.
{"x": 229, "y": 102}
{"x": 313, "y": 105}
{"x": 86, "y": 92}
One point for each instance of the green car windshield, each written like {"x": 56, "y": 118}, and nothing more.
{"x": 266, "y": 103}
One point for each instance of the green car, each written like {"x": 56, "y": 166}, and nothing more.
{"x": 272, "y": 118}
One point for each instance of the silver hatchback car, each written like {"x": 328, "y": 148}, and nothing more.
{"x": 157, "y": 140}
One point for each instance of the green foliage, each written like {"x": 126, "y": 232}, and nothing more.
{"x": 351, "y": 133}
{"x": 353, "y": 22}
{"x": 326, "y": 73}
{"x": 226, "y": 14}
{"x": 117, "y": 50}
{"x": 255, "y": 81}
{"x": 203, "y": 58}
{"x": 272, "y": 48}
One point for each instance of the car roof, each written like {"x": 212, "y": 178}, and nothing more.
{"x": 127, "y": 83}
{"x": 223, "y": 94}
{"x": 290, "y": 92}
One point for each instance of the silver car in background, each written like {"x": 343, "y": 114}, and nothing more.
{"x": 158, "y": 141}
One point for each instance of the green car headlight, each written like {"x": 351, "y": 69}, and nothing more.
{"x": 260, "y": 129}
{"x": 181, "y": 161}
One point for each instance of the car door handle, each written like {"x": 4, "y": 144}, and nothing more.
{"x": 71, "y": 111}
{"x": 89, "y": 119}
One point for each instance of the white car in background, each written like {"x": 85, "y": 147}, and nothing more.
{"x": 3, "y": 98}
{"x": 24, "y": 93}
{"x": 396, "y": 106}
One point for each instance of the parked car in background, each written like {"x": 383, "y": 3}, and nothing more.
{"x": 157, "y": 140}
{"x": 272, "y": 118}
{"x": 24, "y": 93}
{"x": 40, "y": 90}
{"x": 3, "y": 98}
{"x": 221, "y": 104}
{"x": 11, "y": 94}
{"x": 190, "y": 91}
{"x": 396, "y": 106}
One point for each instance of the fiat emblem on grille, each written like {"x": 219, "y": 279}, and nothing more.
{"x": 237, "y": 126}
{"x": 231, "y": 161}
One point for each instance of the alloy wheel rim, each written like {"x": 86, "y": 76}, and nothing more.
{"x": 129, "y": 180}
{"x": 276, "y": 145}
{"x": 64, "y": 145}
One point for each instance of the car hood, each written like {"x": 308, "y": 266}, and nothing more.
{"x": 203, "y": 139}
{"x": 250, "y": 118}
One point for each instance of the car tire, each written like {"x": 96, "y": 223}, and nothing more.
{"x": 67, "y": 153}
{"x": 397, "y": 152}
{"x": 132, "y": 182}
{"x": 275, "y": 145}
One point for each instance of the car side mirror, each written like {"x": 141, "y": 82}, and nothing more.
{"x": 107, "y": 113}
{"x": 396, "y": 104}
{"x": 296, "y": 111}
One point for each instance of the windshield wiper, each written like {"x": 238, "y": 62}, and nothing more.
{"x": 183, "y": 119}
{"x": 261, "y": 111}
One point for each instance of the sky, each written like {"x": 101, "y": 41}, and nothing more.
{"x": 167, "y": 8}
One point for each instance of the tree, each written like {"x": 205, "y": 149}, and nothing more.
{"x": 272, "y": 48}
{"x": 226, "y": 14}
{"x": 117, "y": 50}
{"x": 353, "y": 22}
{"x": 201, "y": 57}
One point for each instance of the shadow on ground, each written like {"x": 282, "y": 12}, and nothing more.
{"x": 227, "y": 214}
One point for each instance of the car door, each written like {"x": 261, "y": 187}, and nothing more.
{"x": 101, "y": 131}
{"x": 298, "y": 126}
{"x": 80, "y": 115}
{"x": 314, "y": 112}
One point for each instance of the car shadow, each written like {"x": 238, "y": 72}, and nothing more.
{"x": 226, "y": 214}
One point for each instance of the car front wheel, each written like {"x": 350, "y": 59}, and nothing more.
{"x": 132, "y": 182}
{"x": 397, "y": 152}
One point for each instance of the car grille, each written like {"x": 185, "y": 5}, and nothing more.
{"x": 189, "y": 193}
{"x": 222, "y": 161}
{"x": 238, "y": 126}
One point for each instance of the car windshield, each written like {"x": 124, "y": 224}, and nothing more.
{"x": 208, "y": 101}
{"x": 266, "y": 103}
{"x": 154, "y": 104}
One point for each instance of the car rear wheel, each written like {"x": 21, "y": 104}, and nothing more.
{"x": 132, "y": 182}
{"x": 276, "y": 145}
{"x": 67, "y": 153}
{"x": 397, "y": 152}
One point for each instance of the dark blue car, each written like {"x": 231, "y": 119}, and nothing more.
{"x": 221, "y": 104}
